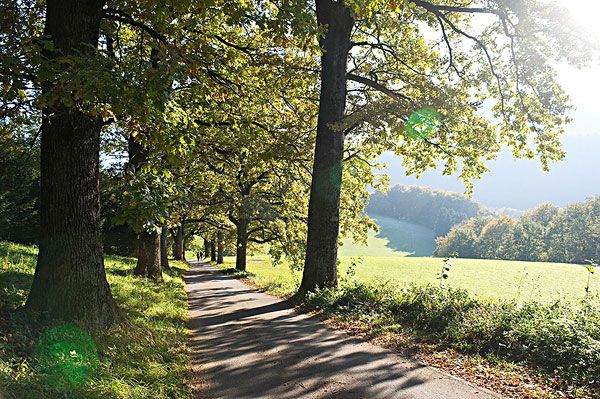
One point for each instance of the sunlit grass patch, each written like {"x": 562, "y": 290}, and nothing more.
{"x": 487, "y": 279}
{"x": 146, "y": 360}
{"x": 276, "y": 280}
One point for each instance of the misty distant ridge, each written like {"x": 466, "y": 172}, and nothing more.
{"x": 438, "y": 210}
{"x": 435, "y": 209}
{"x": 513, "y": 186}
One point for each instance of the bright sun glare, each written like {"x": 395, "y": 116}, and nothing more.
{"x": 586, "y": 13}
{"x": 581, "y": 85}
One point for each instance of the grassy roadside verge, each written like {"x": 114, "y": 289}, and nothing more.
{"x": 523, "y": 350}
{"x": 489, "y": 279}
{"x": 150, "y": 360}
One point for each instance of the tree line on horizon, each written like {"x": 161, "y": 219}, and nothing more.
{"x": 543, "y": 234}
{"x": 254, "y": 121}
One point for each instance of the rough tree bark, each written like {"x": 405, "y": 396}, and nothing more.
{"x": 241, "y": 244}
{"x": 164, "y": 255}
{"x": 206, "y": 248}
{"x": 219, "y": 247}
{"x": 213, "y": 251}
{"x": 70, "y": 280}
{"x": 148, "y": 262}
{"x": 178, "y": 244}
{"x": 320, "y": 267}
{"x": 174, "y": 237}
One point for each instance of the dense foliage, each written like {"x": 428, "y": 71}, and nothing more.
{"x": 19, "y": 188}
{"x": 437, "y": 209}
{"x": 546, "y": 233}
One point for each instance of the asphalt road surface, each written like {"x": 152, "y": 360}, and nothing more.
{"x": 247, "y": 344}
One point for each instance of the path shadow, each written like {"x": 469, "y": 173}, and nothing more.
{"x": 255, "y": 346}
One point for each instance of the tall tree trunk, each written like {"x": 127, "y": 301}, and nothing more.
{"x": 148, "y": 262}
{"x": 148, "y": 265}
{"x": 320, "y": 267}
{"x": 178, "y": 245}
{"x": 241, "y": 245}
{"x": 206, "y": 248}
{"x": 219, "y": 247}
{"x": 70, "y": 281}
{"x": 174, "y": 237}
{"x": 213, "y": 251}
{"x": 164, "y": 255}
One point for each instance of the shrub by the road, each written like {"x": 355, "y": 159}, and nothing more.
{"x": 555, "y": 337}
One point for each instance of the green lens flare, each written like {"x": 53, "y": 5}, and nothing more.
{"x": 328, "y": 182}
{"x": 423, "y": 123}
{"x": 66, "y": 356}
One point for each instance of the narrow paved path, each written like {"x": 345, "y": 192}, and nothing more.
{"x": 248, "y": 344}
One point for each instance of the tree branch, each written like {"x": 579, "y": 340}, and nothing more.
{"x": 120, "y": 16}
{"x": 465, "y": 10}
{"x": 376, "y": 86}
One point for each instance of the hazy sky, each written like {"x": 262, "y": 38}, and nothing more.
{"x": 583, "y": 85}
{"x": 585, "y": 12}
{"x": 520, "y": 183}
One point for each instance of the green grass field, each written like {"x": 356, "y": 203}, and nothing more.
{"x": 492, "y": 279}
{"x": 400, "y": 252}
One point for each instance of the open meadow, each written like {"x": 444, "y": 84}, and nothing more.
{"x": 489, "y": 279}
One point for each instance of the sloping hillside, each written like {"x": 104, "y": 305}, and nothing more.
{"x": 395, "y": 238}
{"x": 437, "y": 210}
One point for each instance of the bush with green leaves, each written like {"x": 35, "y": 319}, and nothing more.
{"x": 554, "y": 337}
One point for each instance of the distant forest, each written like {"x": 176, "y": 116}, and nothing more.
{"x": 546, "y": 233}
{"x": 436, "y": 209}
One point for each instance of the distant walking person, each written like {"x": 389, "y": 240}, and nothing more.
{"x": 198, "y": 255}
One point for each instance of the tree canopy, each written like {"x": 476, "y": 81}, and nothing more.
{"x": 260, "y": 120}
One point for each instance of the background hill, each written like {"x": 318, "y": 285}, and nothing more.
{"x": 395, "y": 238}
{"x": 521, "y": 184}
{"x": 437, "y": 210}
{"x": 410, "y": 218}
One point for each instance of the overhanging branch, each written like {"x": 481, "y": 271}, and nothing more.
{"x": 120, "y": 16}
{"x": 376, "y": 86}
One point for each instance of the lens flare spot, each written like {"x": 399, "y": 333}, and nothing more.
{"x": 66, "y": 356}
{"x": 423, "y": 123}
{"x": 328, "y": 182}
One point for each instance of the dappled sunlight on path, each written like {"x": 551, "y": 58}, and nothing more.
{"x": 248, "y": 344}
